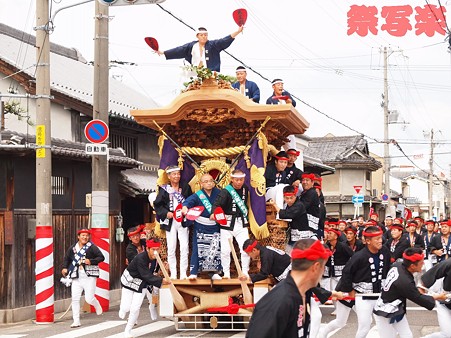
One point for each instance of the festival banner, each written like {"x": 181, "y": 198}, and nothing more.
{"x": 255, "y": 180}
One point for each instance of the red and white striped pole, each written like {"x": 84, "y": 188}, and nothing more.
{"x": 44, "y": 275}
{"x": 101, "y": 238}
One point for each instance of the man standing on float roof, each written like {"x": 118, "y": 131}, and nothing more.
{"x": 203, "y": 52}
{"x": 246, "y": 87}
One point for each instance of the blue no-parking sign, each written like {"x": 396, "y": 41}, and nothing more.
{"x": 96, "y": 131}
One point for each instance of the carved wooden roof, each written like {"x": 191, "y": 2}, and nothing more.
{"x": 213, "y": 117}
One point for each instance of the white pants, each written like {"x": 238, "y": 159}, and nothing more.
{"x": 342, "y": 314}
{"x": 88, "y": 284}
{"x": 444, "y": 321}
{"x": 132, "y": 303}
{"x": 276, "y": 194}
{"x": 315, "y": 318}
{"x": 241, "y": 234}
{"x": 171, "y": 238}
{"x": 364, "y": 310}
{"x": 392, "y": 330}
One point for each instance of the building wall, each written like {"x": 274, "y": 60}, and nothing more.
{"x": 377, "y": 177}
{"x": 61, "y": 119}
{"x": 343, "y": 182}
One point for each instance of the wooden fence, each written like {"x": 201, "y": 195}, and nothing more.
{"x": 17, "y": 257}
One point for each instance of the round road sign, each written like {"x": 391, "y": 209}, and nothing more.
{"x": 384, "y": 197}
{"x": 96, "y": 131}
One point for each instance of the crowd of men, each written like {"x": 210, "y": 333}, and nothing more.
{"x": 369, "y": 266}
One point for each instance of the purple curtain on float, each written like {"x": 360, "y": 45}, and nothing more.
{"x": 169, "y": 156}
{"x": 257, "y": 208}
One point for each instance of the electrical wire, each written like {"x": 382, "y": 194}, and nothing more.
{"x": 268, "y": 80}
{"x": 307, "y": 104}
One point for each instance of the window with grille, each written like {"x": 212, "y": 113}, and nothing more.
{"x": 127, "y": 143}
{"x": 60, "y": 185}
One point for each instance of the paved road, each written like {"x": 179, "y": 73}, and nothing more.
{"x": 109, "y": 325}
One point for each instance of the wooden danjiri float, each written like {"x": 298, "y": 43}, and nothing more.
{"x": 211, "y": 128}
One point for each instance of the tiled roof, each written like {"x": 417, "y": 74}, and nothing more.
{"x": 139, "y": 181}
{"x": 69, "y": 73}
{"x": 346, "y": 151}
{"x": 13, "y": 142}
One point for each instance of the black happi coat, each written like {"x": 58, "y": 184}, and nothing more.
{"x": 279, "y": 313}
{"x": 437, "y": 244}
{"x": 293, "y": 173}
{"x": 311, "y": 202}
{"x": 299, "y": 220}
{"x": 274, "y": 177}
{"x": 358, "y": 245}
{"x": 440, "y": 270}
{"x": 142, "y": 269}
{"x": 427, "y": 241}
{"x": 416, "y": 242}
{"x": 226, "y": 202}
{"x": 162, "y": 204}
{"x": 94, "y": 255}
{"x": 341, "y": 254}
{"x": 398, "y": 287}
{"x": 396, "y": 247}
{"x": 131, "y": 251}
{"x": 273, "y": 262}
{"x": 357, "y": 274}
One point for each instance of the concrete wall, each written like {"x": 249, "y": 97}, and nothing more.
{"x": 61, "y": 118}
{"x": 343, "y": 182}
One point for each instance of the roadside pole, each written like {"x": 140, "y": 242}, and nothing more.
{"x": 44, "y": 271}
{"x": 100, "y": 173}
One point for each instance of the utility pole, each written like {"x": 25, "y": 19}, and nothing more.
{"x": 100, "y": 173}
{"x": 386, "y": 140}
{"x": 431, "y": 175}
{"x": 44, "y": 230}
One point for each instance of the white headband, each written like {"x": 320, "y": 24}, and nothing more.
{"x": 201, "y": 32}
{"x": 280, "y": 81}
{"x": 241, "y": 175}
{"x": 170, "y": 170}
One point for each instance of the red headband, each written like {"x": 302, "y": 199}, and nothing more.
{"x": 293, "y": 152}
{"x": 372, "y": 234}
{"x": 289, "y": 194}
{"x": 430, "y": 222}
{"x": 83, "y": 231}
{"x": 351, "y": 229}
{"x": 137, "y": 231}
{"x": 283, "y": 158}
{"x": 371, "y": 222}
{"x": 411, "y": 224}
{"x": 401, "y": 220}
{"x": 315, "y": 252}
{"x": 309, "y": 176}
{"x": 397, "y": 226}
{"x": 414, "y": 258}
{"x": 251, "y": 247}
{"x": 150, "y": 243}
{"x": 448, "y": 223}
{"x": 337, "y": 232}
{"x": 333, "y": 223}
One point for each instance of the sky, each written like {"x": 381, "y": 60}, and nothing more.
{"x": 338, "y": 75}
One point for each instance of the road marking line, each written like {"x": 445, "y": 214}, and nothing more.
{"x": 239, "y": 335}
{"x": 146, "y": 329}
{"x": 85, "y": 330}
{"x": 12, "y": 335}
{"x": 189, "y": 334}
